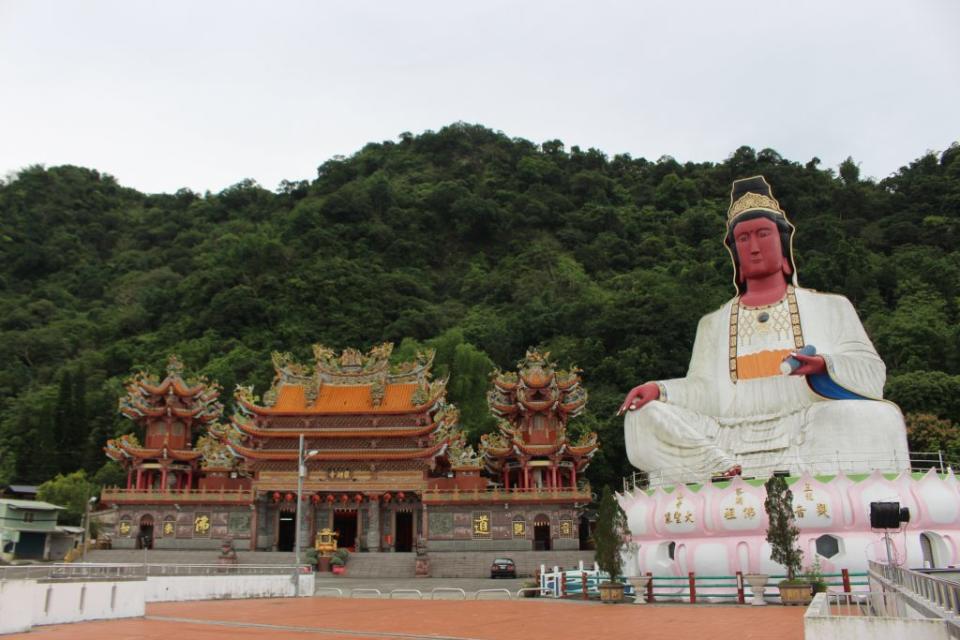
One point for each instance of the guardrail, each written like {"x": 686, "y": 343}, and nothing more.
{"x": 74, "y": 571}
{"x": 130, "y": 571}
{"x": 943, "y": 594}
{"x": 887, "y": 604}
{"x": 506, "y": 495}
{"x": 582, "y": 583}
{"x": 113, "y": 495}
{"x": 917, "y": 462}
{"x": 224, "y": 569}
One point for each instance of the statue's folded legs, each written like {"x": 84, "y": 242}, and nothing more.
{"x": 853, "y": 436}
{"x": 675, "y": 444}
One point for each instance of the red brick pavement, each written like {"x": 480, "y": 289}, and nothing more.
{"x": 359, "y": 619}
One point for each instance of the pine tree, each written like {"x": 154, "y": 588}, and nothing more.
{"x": 782, "y": 531}
{"x": 610, "y": 535}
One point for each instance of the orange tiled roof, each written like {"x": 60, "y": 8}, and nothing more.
{"x": 292, "y": 398}
{"x": 335, "y": 432}
{"x": 337, "y": 455}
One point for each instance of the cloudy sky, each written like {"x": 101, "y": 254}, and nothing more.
{"x": 202, "y": 94}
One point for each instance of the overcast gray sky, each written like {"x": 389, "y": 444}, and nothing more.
{"x": 172, "y": 94}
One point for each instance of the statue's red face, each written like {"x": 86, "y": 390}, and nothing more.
{"x": 758, "y": 248}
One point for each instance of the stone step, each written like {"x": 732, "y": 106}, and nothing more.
{"x": 443, "y": 564}
{"x": 381, "y": 565}
{"x": 476, "y": 564}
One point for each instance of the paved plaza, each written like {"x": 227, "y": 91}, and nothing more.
{"x": 362, "y": 619}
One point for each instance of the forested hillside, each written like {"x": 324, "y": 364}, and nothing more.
{"x": 480, "y": 244}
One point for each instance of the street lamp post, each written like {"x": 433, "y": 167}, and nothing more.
{"x": 86, "y": 526}
{"x": 301, "y": 473}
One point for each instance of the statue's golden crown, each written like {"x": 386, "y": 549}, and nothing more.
{"x": 752, "y": 194}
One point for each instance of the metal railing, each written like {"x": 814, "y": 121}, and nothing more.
{"x": 916, "y": 462}
{"x": 129, "y": 571}
{"x": 74, "y": 571}
{"x": 225, "y": 569}
{"x": 500, "y": 494}
{"x": 944, "y": 594}
{"x": 883, "y": 604}
{"x": 118, "y": 495}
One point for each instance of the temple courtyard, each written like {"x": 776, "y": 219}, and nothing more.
{"x": 336, "y": 618}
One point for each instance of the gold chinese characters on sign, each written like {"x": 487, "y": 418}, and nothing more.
{"x": 679, "y": 515}
{"x": 168, "y": 528}
{"x": 566, "y": 528}
{"x": 124, "y": 528}
{"x": 201, "y": 524}
{"x": 481, "y": 524}
{"x": 519, "y": 529}
{"x": 338, "y": 474}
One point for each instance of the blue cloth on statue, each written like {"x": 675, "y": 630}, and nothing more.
{"x": 824, "y": 385}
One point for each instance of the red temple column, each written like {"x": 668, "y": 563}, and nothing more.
{"x": 129, "y": 478}
{"x": 526, "y": 477}
{"x": 506, "y": 477}
{"x": 573, "y": 476}
{"x": 163, "y": 480}
{"x": 553, "y": 476}
{"x": 139, "y": 478}
{"x": 189, "y": 479}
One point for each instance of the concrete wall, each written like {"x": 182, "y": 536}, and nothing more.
{"x": 16, "y": 605}
{"x": 845, "y": 628}
{"x": 176, "y": 588}
{"x": 25, "y": 603}
{"x": 820, "y": 623}
{"x": 59, "y": 602}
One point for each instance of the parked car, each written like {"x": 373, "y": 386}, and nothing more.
{"x": 503, "y": 568}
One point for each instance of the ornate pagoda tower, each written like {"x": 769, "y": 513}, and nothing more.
{"x": 170, "y": 412}
{"x": 374, "y": 435}
{"x": 535, "y": 404}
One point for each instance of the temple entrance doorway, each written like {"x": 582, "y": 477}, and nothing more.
{"x": 145, "y": 535}
{"x": 541, "y": 534}
{"x": 286, "y": 530}
{"x": 404, "y": 532}
{"x": 586, "y": 533}
{"x": 345, "y": 523}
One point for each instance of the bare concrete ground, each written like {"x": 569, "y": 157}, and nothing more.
{"x": 395, "y": 619}
{"x": 424, "y": 585}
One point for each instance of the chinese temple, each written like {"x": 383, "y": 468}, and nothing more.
{"x": 385, "y": 463}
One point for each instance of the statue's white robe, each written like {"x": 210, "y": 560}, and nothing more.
{"x": 706, "y": 422}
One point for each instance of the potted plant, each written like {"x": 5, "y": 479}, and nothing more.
{"x": 528, "y": 589}
{"x": 814, "y": 575}
{"x": 609, "y": 539}
{"x": 783, "y": 535}
{"x": 338, "y": 561}
{"x": 311, "y": 557}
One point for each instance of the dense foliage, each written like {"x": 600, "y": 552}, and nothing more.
{"x": 481, "y": 244}
{"x": 611, "y": 535}
{"x": 782, "y": 531}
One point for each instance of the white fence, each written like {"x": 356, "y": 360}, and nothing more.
{"x": 34, "y": 595}
{"x": 26, "y": 603}
{"x": 874, "y": 615}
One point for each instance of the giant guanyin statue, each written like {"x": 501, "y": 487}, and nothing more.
{"x": 780, "y": 378}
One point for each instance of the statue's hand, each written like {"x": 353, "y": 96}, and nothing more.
{"x": 809, "y": 365}
{"x": 639, "y": 396}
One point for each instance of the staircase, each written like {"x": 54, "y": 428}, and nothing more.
{"x": 172, "y": 556}
{"x": 381, "y": 565}
{"x": 476, "y": 564}
{"x": 443, "y": 564}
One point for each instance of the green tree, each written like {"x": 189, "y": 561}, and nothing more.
{"x": 71, "y": 491}
{"x": 611, "y": 534}
{"x": 782, "y": 531}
